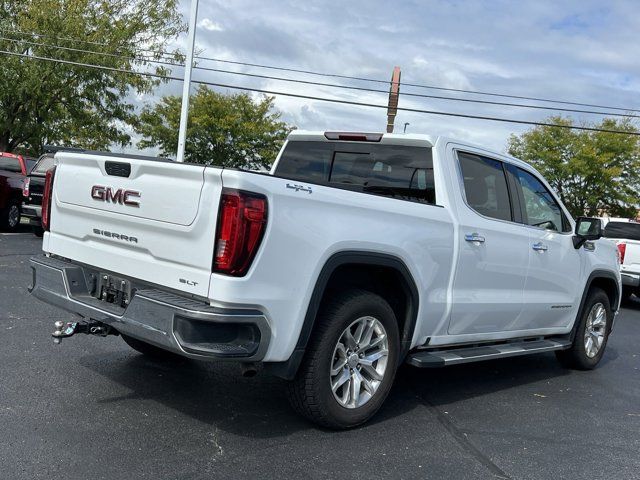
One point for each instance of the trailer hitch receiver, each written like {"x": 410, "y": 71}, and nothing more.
{"x": 91, "y": 327}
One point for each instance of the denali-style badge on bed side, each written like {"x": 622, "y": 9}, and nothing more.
{"x": 121, "y": 196}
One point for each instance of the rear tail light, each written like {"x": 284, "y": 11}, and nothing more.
{"x": 622, "y": 249}
{"x": 46, "y": 198}
{"x": 25, "y": 187}
{"x": 242, "y": 219}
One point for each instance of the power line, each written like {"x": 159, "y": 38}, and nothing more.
{"x": 417, "y": 95}
{"x": 363, "y": 79}
{"x": 92, "y": 52}
{"x": 324, "y": 99}
{"x": 376, "y": 80}
{"x": 88, "y": 42}
{"x": 331, "y": 85}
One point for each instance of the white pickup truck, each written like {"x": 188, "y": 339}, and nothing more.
{"x": 626, "y": 235}
{"x": 356, "y": 253}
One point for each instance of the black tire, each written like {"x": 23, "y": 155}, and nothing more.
{"x": 576, "y": 357}
{"x": 8, "y": 217}
{"x": 149, "y": 350}
{"x": 38, "y": 231}
{"x": 310, "y": 392}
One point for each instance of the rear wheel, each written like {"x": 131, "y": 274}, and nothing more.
{"x": 149, "y": 350}
{"x": 38, "y": 231}
{"x": 10, "y": 217}
{"x": 350, "y": 362}
{"x": 591, "y": 335}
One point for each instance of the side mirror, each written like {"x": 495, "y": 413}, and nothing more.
{"x": 587, "y": 228}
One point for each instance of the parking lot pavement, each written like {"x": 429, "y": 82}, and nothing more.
{"x": 92, "y": 408}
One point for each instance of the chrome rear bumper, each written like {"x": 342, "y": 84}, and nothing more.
{"x": 175, "y": 323}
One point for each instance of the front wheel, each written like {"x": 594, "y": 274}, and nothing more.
{"x": 591, "y": 335}
{"x": 350, "y": 362}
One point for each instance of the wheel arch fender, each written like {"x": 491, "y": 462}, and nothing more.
{"x": 608, "y": 281}
{"x": 333, "y": 264}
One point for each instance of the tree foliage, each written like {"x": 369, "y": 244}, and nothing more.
{"x": 44, "y": 102}
{"x": 592, "y": 172}
{"x": 227, "y": 130}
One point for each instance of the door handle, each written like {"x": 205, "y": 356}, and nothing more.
{"x": 540, "y": 247}
{"x": 474, "y": 237}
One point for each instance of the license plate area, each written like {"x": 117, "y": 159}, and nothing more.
{"x": 114, "y": 290}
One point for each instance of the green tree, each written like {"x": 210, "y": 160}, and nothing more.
{"x": 227, "y": 130}
{"x": 45, "y": 102}
{"x": 592, "y": 172}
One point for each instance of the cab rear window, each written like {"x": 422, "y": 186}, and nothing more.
{"x": 10, "y": 164}
{"x": 45, "y": 163}
{"x": 622, "y": 230}
{"x": 396, "y": 171}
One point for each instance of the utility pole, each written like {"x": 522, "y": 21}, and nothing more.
{"x": 184, "y": 113}
{"x": 394, "y": 95}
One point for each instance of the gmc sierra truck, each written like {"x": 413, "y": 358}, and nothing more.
{"x": 355, "y": 253}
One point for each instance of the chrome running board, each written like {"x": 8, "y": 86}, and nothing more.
{"x": 478, "y": 353}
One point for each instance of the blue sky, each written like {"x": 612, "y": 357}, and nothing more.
{"x": 583, "y": 51}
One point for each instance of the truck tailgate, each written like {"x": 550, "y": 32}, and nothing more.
{"x": 155, "y": 224}
{"x": 631, "y": 256}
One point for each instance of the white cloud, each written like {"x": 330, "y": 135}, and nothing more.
{"x": 210, "y": 25}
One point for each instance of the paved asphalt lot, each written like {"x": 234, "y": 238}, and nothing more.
{"x": 92, "y": 408}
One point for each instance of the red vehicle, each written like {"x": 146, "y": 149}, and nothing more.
{"x": 13, "y": 171}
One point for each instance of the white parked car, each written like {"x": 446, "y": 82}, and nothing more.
{"x": 626, "y": 235}
{"x": 356, "y": 253}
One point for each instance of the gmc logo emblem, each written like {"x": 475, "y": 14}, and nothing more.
{"x": 121, "y": 196}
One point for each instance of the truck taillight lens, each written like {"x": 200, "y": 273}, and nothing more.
{"x": 622, "y": 249}
{"x": 25, "y": 188}
{"x": 46, "y": 199}
{"x": 242, "y": 219}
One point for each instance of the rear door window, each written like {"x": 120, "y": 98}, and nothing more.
{"x": 396, "y": 171}
{"x": 485, "y": 186}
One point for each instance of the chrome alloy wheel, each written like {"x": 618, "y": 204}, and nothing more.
{"x": 14, "y": 216}
{"x": 595, "y": 329}
{"x": 359, "y": 362}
